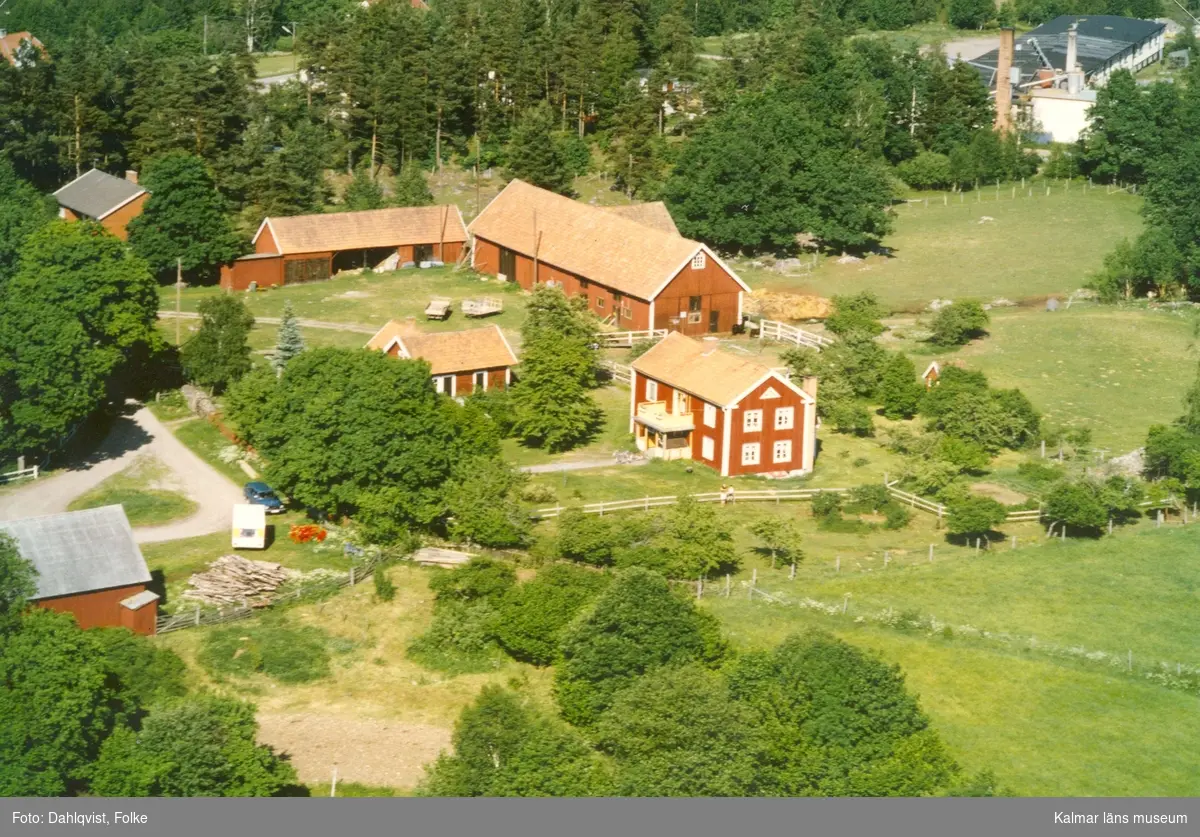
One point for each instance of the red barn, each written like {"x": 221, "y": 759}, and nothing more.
{"x": 98, "y": 196}
{"x": 690, "y": 400}
{"x": 88, "y": 565}
{"x": 309, "y": 248}
{"x": 635, "y": 275}
{"x": 460, "y": 361}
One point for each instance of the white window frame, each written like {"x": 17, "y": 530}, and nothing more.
{"x": 710, "y": 415}
{"x": 651, "y": 390}
{"x": 479, "y": 381}
{"x": 752, "y": 421}
{"x": 708, "y": 448}
{"x": 699, "y": 261}
{"x": 440, "y": 384}
{"x": 784, "y": 447}
{"x": 679, "y": 402}
{"x": 751, "y": 453}
{"x": 694, "y": 316}
{"x": 785, "y": 418}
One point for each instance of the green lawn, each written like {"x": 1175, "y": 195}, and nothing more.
{"x": 373, "y": 299}
{"x": 614, "y": 435}
{"x": 1114, "y": 370}
{"x": 1045, "y": 729}
{"x": 207, "y": 442}
{"x": 1034, "y": 247}
{"x": 140, "y": 489}
{"x": 274, "y": 64}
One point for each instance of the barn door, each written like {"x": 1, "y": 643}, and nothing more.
{"x": 508, "y": 264}
{"x": 714, "y": 321}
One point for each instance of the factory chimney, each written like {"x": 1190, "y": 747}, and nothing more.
{"x": 1074, "y": 73}
{"x": 1004, "y": 81}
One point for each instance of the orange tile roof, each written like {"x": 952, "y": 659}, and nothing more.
{"x": 371, "y": 228}
{"x": 448, "y": 351}
{"x": 653, "y": 214}
{"x": 12, "y": 41}
{"x": 701, "y": 368}
{"x": 598, "y": 245}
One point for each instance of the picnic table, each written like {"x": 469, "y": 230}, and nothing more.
{"x": 438, "y": 308}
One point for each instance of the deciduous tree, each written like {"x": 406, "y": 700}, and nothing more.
{"x": 219, "y": 353}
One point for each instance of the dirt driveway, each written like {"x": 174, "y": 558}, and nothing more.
{"x": 372, "y": 751}
{"x": 132, "y": 437}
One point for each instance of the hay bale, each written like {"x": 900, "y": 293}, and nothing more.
{"x": 788, "y": 307}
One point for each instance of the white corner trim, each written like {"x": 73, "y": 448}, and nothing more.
{"x": 726, "y": 439}
{"x": 633, "y": 376}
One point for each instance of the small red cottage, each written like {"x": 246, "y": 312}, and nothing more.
{"x": 88, "y": 565}
{"x": 690, "y": 400}
{"x": 309, "y": 248}
{"x": 460, "y": 362}
{"x": 931, "y": 374}
{"x": 98, "y": 196}
{"x": 635, "y": 275}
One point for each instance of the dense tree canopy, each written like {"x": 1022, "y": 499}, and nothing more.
{"x": 219, "y": 353}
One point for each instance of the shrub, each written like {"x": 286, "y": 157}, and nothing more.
{"x": 827, "y": 504}
{"x": 481, "y": 578}
{"x": 459, "y": 640}
{"x": 1039, "y": 474}
{"x": 532, "y": 616}
{"x": 852, "y": 418}
{"x": 538, "y": 493}
{"x": 385, "y": 589}
{"x": 872, "y": 496}
{"x": 959, "y": 323}
{"x": 274, "y": 647}
{"x": 963, "y": 454}
{"x": 928, "y": 170}
{"x": 897, "y": 516}
{"x": 971, "y": 515}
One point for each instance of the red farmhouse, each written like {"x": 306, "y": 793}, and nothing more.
{"x": 690, "y": 400}
{"x": 460, "y": 361}
{"x": 89, "y": 565}
{"x": 309, "y": 248}
{"x": 635, "y": 275}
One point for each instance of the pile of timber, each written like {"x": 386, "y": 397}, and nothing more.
{"x": 234, "y": 580}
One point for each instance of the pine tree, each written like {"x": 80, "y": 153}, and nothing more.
{"x": 362, "y": 192}
{"x": 290, "y": 342}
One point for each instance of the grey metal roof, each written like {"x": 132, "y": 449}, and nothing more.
{"x": 139, "y": 600}
{"x": 80, "y": 551}
{"x": 1101, "y": 38}
{"x": 97, "y": 193}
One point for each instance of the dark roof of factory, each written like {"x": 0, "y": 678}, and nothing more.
{"x": 1101, "y": 38}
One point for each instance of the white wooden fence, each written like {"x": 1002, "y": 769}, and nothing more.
{"x": 626, "y": 339}
{"x": 20, "y": 473}
{"x": 620, "y": 373}
{"x": 647, "y": 503}
{"x": 784, "y": 333}
{"x": 916, "y": 501}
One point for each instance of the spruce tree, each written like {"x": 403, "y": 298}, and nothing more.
{"x": 362, "y": 192}
{"x": 411, "y": 187}
{"x": 290, "y": 342}
{"x": 533, "y": 154}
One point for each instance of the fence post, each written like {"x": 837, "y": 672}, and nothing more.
{"x": 1043, "y": 448}
{"x": 1110, "y": 526}
{"x": 35, "y": 472}
{"x": 753, "y": 583}
{"x": 837, "y": 564}
{"x": 1014, "y": 542}
{"x": 20, "y": 463}
{"x": 845, "y": 602}
{"x": 792, "y": 574}
{"x": 197, "y": 614}
{"x": 699, "y": 588}
{"x": 1131, "y": 659}
{"x": 1159, "y": 523}
{"x": 647, "y": 504}
{"x": 351, "y": 575}
{"x": 887, "y": 557}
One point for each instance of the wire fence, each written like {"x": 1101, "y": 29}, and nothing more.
{"x": 1026, "y": 189}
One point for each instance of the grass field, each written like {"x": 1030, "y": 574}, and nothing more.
{"x": 373, "y": 299}
{"x": 1045, "y": 729}
{"x": 1114, "y": 370}
{"x": 141, "y": 488}
{"x": 274, "y": 64}
{"x": 1035, "y": 247}
{"x": 207, "y": 442}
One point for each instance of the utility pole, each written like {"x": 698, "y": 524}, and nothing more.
{"x": 178, "y": 298}
{"x": 295, "y": 30}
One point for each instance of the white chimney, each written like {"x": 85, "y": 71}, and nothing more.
{"x": 1072, "y": 47}
{"x": 131, "y": 175}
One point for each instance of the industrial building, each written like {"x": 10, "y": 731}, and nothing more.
{"x": 1053, "y": 70}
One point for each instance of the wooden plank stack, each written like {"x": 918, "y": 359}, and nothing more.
{"x": 234, "y": 580}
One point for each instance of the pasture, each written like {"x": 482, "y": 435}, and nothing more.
{"x": 1033, "y": 247}
{"x": 146, "y": 490}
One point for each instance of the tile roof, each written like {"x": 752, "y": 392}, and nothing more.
{"x": 11, "y": 42}
{"x": 653, "y": 214}
{"x": 700, "y": 368}
{"x": 393, "y": 227}
{"x": 448, "y": 352}
{"x": 80, "y": 551}
{"x": 588, "y": 241}
{"x": 97, "y": 193}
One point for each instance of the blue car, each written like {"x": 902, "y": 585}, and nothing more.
{"x": 261, "y": 494}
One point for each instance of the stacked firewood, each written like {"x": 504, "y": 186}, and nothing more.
{"x": 234, "y": 580}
